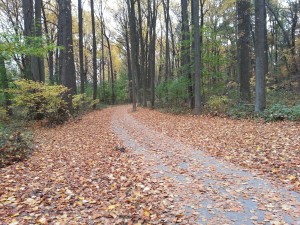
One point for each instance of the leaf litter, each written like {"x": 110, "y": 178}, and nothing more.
{"x": 205, "y": 189}
{"x": 76, "y": 176}
{"x": 116, "y": 167}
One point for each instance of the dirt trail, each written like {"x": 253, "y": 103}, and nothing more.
{"x": 208, "y": 191}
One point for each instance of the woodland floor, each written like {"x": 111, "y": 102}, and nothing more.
{"x": 175, "y": 170}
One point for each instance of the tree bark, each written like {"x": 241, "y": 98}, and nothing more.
{"x": 166, "y": 6}
{"x": 94, "y": 53}
{"x": 68, "y": 77}
{"x": 50, "y": 58}
{"x": 133, "y": 48}
{"x": 4, "y": 82}
{"x": 152, "y": 34}
{"x": 142, "y": 51}
{"x": 197, "y": 56}
{"x": 185, "y": 49}
{"x": 27, "y": 6}
{"x": 261, "y": 62}
{"x": 37, "y": 63}
{"x": 243, "y": 47}
{"x": 111, "y": 71}
{"x": 80, "y": 31}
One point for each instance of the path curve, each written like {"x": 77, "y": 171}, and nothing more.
{"x": 207, "y": 190}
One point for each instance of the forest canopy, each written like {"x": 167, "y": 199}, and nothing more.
{"x": 225, "y": 57}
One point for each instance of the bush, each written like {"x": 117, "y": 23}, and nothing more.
{"x": 173, "y": 91}
{"x": 3, "y": 114}
{"x": 15, "y": 146}
{"x": 240, "y": 111}
{"x": 295, "y": 113}
{"x": 276, "y": 112}
{"x": 218, "y": 104}
{"x": 83, "y": 102}
{"x": 38, "y": 101}
{"x": 279, "y": 112}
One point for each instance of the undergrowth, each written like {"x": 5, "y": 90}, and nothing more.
{"x": 15, "y": 144}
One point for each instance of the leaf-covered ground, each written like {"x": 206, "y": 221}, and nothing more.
{"x": 79, "y": 173}
{"x": 270, "y": 148}
{"x": 205, "y": 190}
{"x": 76, "y": 176}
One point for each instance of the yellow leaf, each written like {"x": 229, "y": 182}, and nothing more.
{"x": 146, "y": 213}
{"x": 42, "y": 220}
{"x": 14, "y": 222}
{"x": 292, "y": 177}
{"x": 111, "y": 207}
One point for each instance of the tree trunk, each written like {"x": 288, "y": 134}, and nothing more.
{"x": 142, "y": 58}
{"x": 50, "y": 58}
{"x": 133, "y": 48}
{"x": 197, "y": 56}
{"x": 261, "y": 62}
{"x": 102, "y": 53}
{"x": 94, "y": 54}
{"x": 28, "y": 32}
{"x": 37, "y": 63}
{"x": 185, "y": 49}
{"x": 151, "y": 57}
{"x": 80, "y": 31}
{"x": 111, "y": 71}
{"x": 166, "y": 5}
{"x": 243, "y": 47}
{"x": 4, "y": 82}
{"x": 68, "y": 77}
{"x": 128, "y": 57}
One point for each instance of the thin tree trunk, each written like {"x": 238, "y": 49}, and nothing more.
{"x": 166, "y": 5}
{"x": 94, "y": 53}
{"x": 197, "y": 57}
{"x": 50, "y": 58}
{"x": 80, "y": 31}
{"x": 128, "y": 56}
{"x": 111, "y": 71}
{"x": 4, "y": 82}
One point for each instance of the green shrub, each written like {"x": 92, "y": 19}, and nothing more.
{"x": 3, "y": 114}
{"x": 240, "y": 111}
{"x": 279, "y": 112}
{"x": 295, "y": 113}
{"x": 83, "y": 102}
{"x": 218, "y": 104}
{"x": 173, "y": 91}
{"x": 15, "y": 143}
{"x": 38, "y": 101}
{"x": 276, "y": 112}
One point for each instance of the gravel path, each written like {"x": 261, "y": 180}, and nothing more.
{"x": 205, "y": 190}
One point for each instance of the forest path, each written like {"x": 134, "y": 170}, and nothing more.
{"x": 207, "y": 190}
